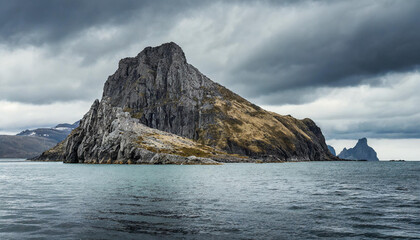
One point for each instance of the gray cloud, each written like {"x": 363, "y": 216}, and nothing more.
{"x": 272, "y": 52}
{"x": 310, "y": 44}
{"x": 388, "y": 110}
{"x": 339, "y": 44}
{"x": 47, "y": 21}
{"x": 409, "y": 127}
{"x": 64, "y": 50}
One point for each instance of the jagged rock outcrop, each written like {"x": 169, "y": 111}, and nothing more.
{"x": 109, "y": 135}
{"x": 159, "y": 89}
{"x": 332, "y": 150}
{"x": 360, "y": 152}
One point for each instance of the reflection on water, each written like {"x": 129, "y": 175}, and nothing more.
{"x": 244, "y": 201}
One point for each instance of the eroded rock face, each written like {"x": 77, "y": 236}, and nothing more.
{"x": 160, "y": 90}
{"x": 109, "y": 135}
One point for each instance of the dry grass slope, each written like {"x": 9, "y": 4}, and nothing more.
{"x": 249, "y": 126}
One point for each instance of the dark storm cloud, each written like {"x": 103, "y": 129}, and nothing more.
{"x": 326, "y": 43}
{"x": 272, "y": 52}
{"x": 47, "y": 21}
{"x": 63, "y": 42}
{"x": 379, "y": 129}
{"x": 336, "y": 45}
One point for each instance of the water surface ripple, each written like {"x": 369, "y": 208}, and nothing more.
{"x": 337, "y": 200}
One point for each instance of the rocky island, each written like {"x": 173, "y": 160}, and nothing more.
{"x": 158, "y": 109}
{"x": 362, "y": 151}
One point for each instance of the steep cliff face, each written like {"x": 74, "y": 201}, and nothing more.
{"x": 163, "y": 91}
{"x": 159, "y": 90}
{"x": 360, "y": 152}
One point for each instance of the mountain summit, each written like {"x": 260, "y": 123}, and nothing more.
{"x": 157, "y": 106}
{"x": 361, "y": 151}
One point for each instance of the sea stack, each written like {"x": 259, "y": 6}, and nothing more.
{"x": 156, "y": 108}
{"x": 360, "y": 152}
{"x": 332, "y": 150}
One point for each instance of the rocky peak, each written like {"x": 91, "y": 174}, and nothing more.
{"x": 362, "y": 151}
{"x": 163, "y": 91}
{"x": 362, "y": 143}
{"x": 169, "y": 52}
{"x": 160, "y": 90}
{"x": 155, "y": 57}
{"x": 163, "y": 69}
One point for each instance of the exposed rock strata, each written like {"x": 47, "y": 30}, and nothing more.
{"x": 109, "y": 135}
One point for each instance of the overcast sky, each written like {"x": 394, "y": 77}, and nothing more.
{"x": 351, "y": 66}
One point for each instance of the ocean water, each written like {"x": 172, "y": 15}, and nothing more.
{"x": 307, "y": 200}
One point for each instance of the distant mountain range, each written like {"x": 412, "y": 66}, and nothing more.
{"x": 362, "y": 151}
{"x": 30, "y": 143}
{"x": 57, "y": 133}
